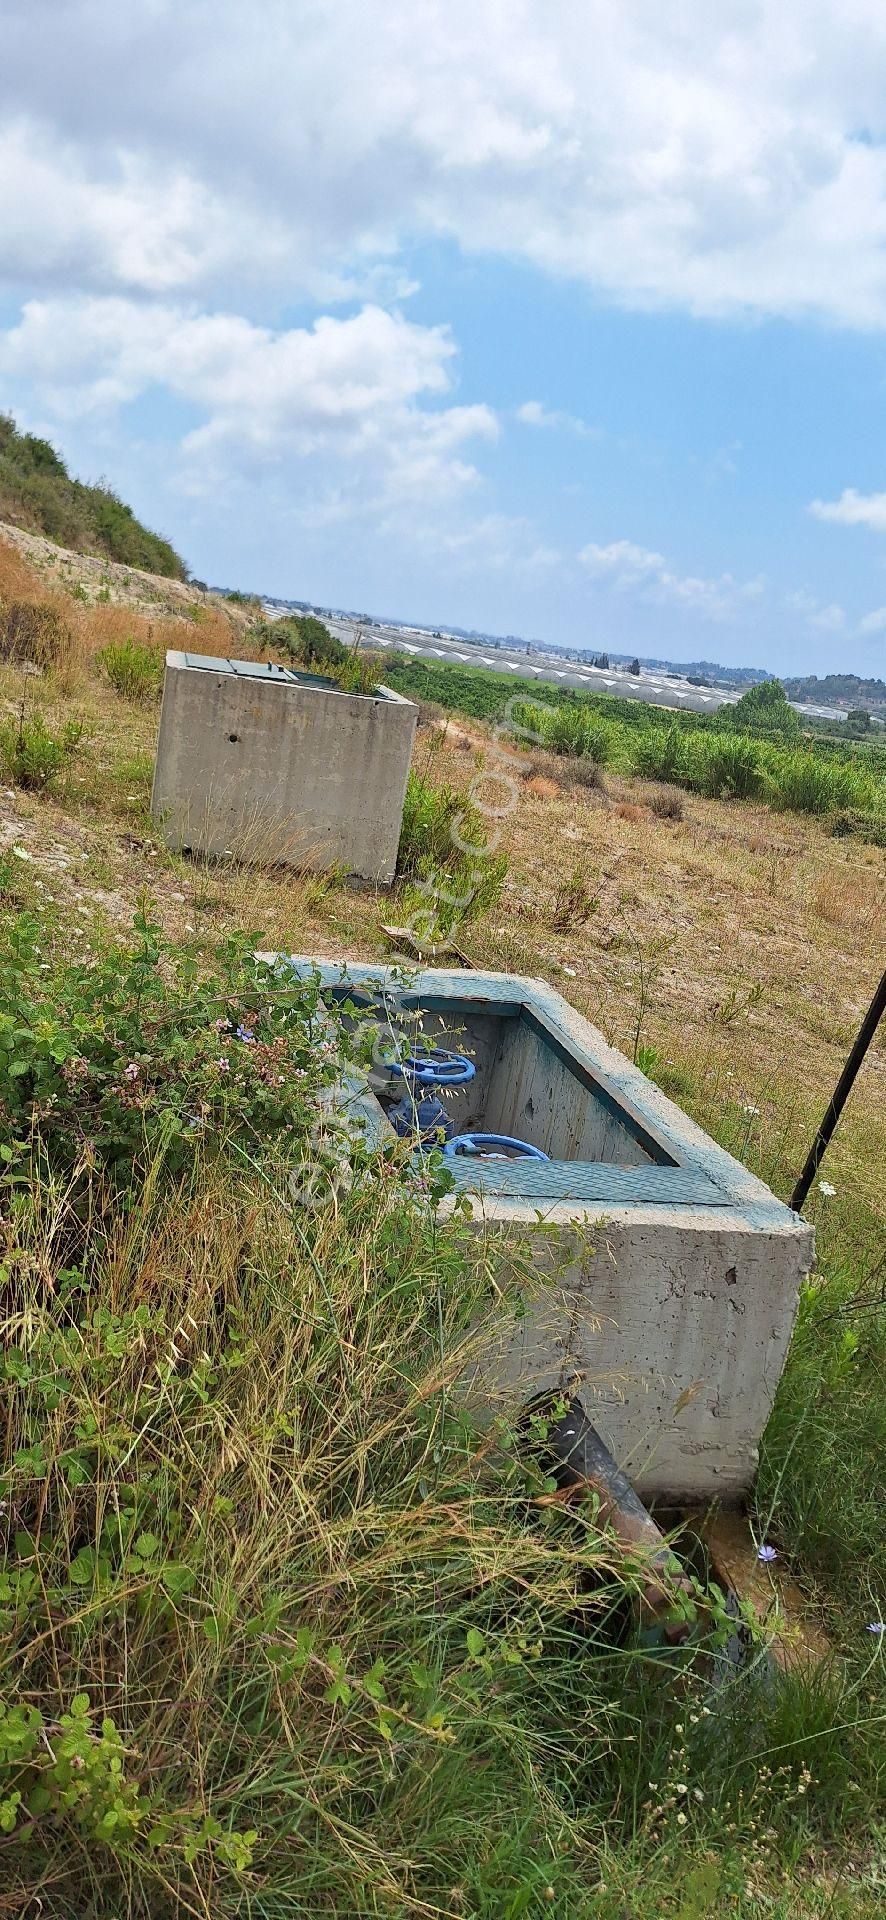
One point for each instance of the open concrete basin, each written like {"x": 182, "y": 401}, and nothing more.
{"x": 669, "y": 1273}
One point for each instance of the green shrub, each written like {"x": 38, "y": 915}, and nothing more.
{"x": 134, "y": 670}
{"x": 763, "y": 709}
{"x": 444, "y": 882}
{"x": 803, "y": 783}
{"x": 307, "y": 641}
{"x": 32, "y": 630}
{"x": 139, "y": 1052}
{"x": 660, "y": 754}
{"x": 357, "y": 674}
{"x": 33, "y": 754}
{"x": 725, "y": 767}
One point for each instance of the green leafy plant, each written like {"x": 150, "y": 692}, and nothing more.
{"x": 32, "y": 753}
{"x": 308, "y": 641}
{"x": 143, "y": 1053}
{"x": 764, "y": 709}
{"x": 134, "y": 670}
{"x": 660, "y": 753}
{"x": 442, "y": 859}
{"x": 725, "y": 767}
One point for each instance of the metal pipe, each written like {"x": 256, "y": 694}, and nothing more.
{"x": 583, "y": 1463}
{"x": 840, "y": 1095}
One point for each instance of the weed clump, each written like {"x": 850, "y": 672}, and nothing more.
{"x": 32, "y": 753}
{"x": 852, "y": 821}
{"x": 134, "y": 670}
{"x": 666, "y": 803}
{"x": 442, "y": 860}
{"x": 574, "y": 901}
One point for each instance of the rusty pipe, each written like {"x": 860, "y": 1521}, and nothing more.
{"x": 582, "y": 1463}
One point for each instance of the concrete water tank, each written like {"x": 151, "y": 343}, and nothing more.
{"x": 668, "y": 1275}
{"x": 274, "y": 765}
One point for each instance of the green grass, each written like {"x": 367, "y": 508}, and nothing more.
{"x": 134, "y": 670}
{"x": 445, "y": 871}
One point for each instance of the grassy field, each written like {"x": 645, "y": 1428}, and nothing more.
{"x": 279, "y": 1634}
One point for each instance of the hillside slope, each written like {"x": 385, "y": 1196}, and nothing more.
{"x": 38, "y": 494}
{"x": 33, "y": 566}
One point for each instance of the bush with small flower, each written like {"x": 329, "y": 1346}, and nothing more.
{"x": 106, "y": 1061}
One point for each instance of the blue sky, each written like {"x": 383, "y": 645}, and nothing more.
{"x": 567, "y": 322}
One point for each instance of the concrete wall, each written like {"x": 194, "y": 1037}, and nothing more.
{"x": 282, "y": 768}
{"x": 672, "y": 1326}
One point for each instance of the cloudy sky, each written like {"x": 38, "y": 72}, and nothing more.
{"x": 559, "y": 317}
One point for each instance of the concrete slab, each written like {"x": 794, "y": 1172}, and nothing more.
{"x": 279, "y": 766}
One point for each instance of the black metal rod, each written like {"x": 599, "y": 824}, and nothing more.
{"x": 840, "y": 1095}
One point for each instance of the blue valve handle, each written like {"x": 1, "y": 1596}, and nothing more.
{"x": 492, "y": 1146}
{"x": 435, "y": 1067}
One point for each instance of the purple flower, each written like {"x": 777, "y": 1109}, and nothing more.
{"x": 767, "y": 1555}
{"x": 245, "y": 1033}
{"x": 131, "y": 1072}
{"x": 877, "y": 1626}
{"x": 224, "y": 1065}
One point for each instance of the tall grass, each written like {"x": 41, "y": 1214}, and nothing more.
{"x": 315, "y": 1642}
{"x": 802, "y": 783}
{"x": 724, "y": 767}
{"x": 442, "y": 861}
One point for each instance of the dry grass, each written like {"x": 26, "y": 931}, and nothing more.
{"x": 180, "y": 617}
{"x": 847, "y": 899}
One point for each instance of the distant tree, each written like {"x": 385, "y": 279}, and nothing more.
{"x": 634, "y": 667}
{"x": 765, "y": 708}
{"x": 601, "y": 660}
{"x": 858, "y": 721}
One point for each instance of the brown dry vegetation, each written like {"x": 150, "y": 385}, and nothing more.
{"x": 156, "y": 612}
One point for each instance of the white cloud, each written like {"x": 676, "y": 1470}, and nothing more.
{"x": 853, "y": 510}
{"x": 533, "y": 414}
{"x": 349, "y": 391}
{"x": 628, "y": 568}
{"x": 622, "y": 561}
{"x": 873, "y": 622}
{"x": 720, "y": 161}
{"x": 824, "y": 619}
